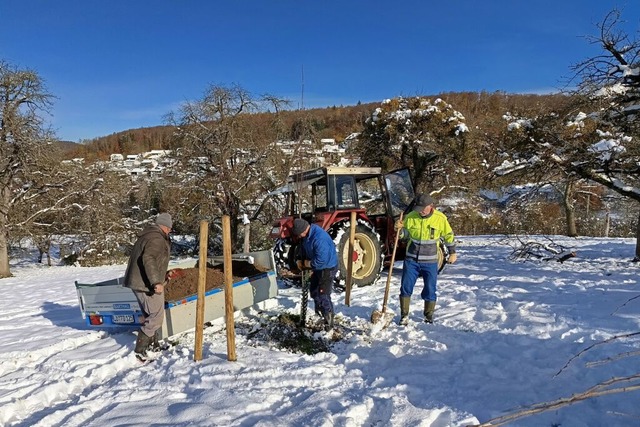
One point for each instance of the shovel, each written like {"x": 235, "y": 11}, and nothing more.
{"x": 381, "y": 316}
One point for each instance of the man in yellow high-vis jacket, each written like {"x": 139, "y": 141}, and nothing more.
{"x": 423, "y": 227}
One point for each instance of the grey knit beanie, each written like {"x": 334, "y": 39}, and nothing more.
{"x": 299, "y": 225}
{"x": 164, "y": 219}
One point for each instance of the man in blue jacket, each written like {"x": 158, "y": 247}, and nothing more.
{"x": 318, "y": 254}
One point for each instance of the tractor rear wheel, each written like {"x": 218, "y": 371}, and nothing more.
{"x": 367, "y": 252}
{"x": 284, "y": 256}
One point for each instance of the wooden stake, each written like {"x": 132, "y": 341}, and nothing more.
{"x": 228, "y": 288}
{"x": 202, "y": 280}
{"x": 247, "y": 237}
{"x": 393, "y": 260}
{"x": 349, "y": 279}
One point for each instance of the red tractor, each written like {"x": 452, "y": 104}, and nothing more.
{"x": 327, "y": 196}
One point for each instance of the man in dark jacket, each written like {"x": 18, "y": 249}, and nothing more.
{"x": 146, "y": 275}
{"x": 318, "y": 254}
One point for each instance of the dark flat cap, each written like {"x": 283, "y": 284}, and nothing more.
{"x": 422, "y": 201}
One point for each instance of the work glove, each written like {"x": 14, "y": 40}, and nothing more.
{"x": 398, "y": 225}
{"x": 303, "y": 265}
{"x": 174, "y": 273}
{"x": 452, "y": 258}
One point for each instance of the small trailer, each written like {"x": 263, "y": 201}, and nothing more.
{"x": 109, "y": 304}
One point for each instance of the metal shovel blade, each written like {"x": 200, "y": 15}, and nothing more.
{"x": 382, "y": 319}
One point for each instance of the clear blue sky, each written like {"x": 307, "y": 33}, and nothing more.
{"x": 122, "y": 64}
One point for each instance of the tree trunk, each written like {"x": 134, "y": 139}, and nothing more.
{"x": 233, "y": 225}
{"x": 4, "y": 255}
{"x": 637, "y": 257}
{"x": 4, "y": 236}
{"x": 570, "y": 209}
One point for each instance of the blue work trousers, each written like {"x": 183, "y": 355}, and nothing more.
{"x": 411, "y": 270}
{"x": 320, "y": 289}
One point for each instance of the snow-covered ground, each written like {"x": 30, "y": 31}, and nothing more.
{"x": 504, "y": 331}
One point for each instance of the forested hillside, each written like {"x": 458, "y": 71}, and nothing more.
{"x": 482, "y": 110}
{"x": 332, "y": 122}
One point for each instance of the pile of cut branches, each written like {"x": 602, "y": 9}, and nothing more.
{"x": 540, "y": 250}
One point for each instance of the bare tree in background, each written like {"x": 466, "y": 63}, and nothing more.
{"x": 534, "y": 150}
{"x": 596, "y": 135}
{"x": 96, "y": 206}
{"x": 90, "y": 213}
{"x": 609, "y": 84}
{"x": 223, "y": 157}
{"x": 23, "y": 139}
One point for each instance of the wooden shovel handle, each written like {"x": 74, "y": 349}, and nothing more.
{"x": 393, "y": 259}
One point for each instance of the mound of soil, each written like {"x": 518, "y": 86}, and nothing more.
{"x": 187, "y": 283}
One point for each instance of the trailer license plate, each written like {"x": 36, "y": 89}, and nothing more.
{"x": 122, "y": 318}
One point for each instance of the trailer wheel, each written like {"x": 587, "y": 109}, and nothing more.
{"x": 367, "y": 252}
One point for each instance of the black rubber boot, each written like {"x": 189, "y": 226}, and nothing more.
{"x": 405, "y": 303}
{"x": 429, "y": 308}
{"x": 156, "y": 343}
{"x": 328, "y": 320}
{"x": 142, "y": 345}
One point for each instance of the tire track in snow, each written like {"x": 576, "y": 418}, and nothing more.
{"x": 53, "y": 376}
{"x": 18, "y": 360}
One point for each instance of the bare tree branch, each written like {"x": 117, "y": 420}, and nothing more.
{"x": 616, "y": 337}
{"x": 596, "y": 391}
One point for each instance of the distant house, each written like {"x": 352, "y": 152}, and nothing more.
{"x": 155, "y": 154}
{"x": 116, "y": 157}
{"x": 136, "y": 172}
{"x": 332, "y": 148}
{"x": 77, "y": 161}
{"x": 168, "y": 162}
{"x": 131, "y": 160}
{"x": 155, "y": 171}
{"x": 349, "y": 161}
{"x": 149, "y": 163}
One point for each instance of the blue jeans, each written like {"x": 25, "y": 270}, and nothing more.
{"x": 411, "y": 270}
